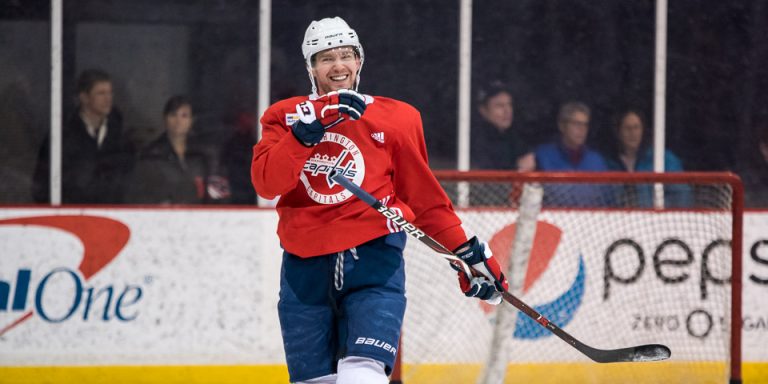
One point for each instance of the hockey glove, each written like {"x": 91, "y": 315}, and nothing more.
{"x": 315, "y": 116}
{"x": 491, "y": 282}
{"x": 349, "y": 102}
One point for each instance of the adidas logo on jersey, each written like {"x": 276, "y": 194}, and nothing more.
{"x": 378, "y": 136}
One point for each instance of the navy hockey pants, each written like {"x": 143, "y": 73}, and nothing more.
{"x": 342, "y": 304}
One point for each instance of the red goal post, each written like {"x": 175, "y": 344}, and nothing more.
{"x": 490, "y": 204}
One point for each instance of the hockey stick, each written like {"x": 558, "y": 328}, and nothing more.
{"x": 648, "y": 352}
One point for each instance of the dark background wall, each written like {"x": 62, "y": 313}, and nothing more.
{"x": 549, "y": 51}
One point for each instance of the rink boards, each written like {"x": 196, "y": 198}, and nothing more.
{"x": 189, "y": 295}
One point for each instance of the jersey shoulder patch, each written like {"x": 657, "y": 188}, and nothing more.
{"x": 291, "y": 118}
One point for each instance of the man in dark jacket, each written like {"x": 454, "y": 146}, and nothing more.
{"x": 495, "y": 143}
{"x": 96, "y": 156}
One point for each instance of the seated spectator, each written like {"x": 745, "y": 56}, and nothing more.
{"x": 755, "y": 176}
{"x": 236, "y": 155}
{"x": 22, "y": 129}
{"x": 171, "y": 170}
{"x": 96, "y": 155}
{"x": 495, "y": 144}
{"x": 570, "y": 153}
{"x": 634, "y": 154}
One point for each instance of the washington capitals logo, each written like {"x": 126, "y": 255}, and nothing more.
{"x": 326, "y": 165}
{"x": 335, "y": 153}
{"x": 562, "y": 309}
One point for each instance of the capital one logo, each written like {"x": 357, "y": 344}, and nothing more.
{"x": 562, "y": 309}
{"x": 102, "y": 240}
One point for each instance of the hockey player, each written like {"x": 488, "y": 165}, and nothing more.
{"x": 342, "y": 283}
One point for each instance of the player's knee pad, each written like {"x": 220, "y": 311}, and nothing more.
{"x": 361, "y": 370}
{"x": 327, "y": 379}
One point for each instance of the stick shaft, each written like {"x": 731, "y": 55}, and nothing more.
{"x": 639, "y": 353}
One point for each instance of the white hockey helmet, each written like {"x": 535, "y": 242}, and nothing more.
{"x": 326, "y": 34}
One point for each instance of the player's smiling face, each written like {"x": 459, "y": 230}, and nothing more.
{"x": 335, "y": 69}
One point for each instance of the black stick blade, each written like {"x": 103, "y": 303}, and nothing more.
{"x": 640, "y": 353}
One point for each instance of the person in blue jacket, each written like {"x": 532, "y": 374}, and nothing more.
{"x": 570, "y": 153}
{"x": 633, "y": 154}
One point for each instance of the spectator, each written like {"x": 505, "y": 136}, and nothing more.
{"x": 495, "y": 144}
{"x": 21, "y": 129}
{"x": 236, "y": 154}
{"x": 755, "y": 176}
{"x": 570, "y": 153}
{"x": 171, "y": 170}
{"x": 633, "y": 154}
{"x": 96, "y": 155}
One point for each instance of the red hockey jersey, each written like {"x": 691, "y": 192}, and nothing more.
{"x": 383, "y": 152}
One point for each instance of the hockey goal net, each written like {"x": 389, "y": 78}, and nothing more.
{"x": 615, "y": 259}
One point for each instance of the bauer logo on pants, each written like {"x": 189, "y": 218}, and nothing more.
{"x": 376, "y": 343}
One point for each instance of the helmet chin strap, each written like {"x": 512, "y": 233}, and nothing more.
{"x": 312, "y": 80}
{"x": 357, "y": 78}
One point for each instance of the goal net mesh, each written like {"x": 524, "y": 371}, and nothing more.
{"x": 615, "y": 261}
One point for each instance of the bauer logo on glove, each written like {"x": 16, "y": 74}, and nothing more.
{"x": 490, "y": 282}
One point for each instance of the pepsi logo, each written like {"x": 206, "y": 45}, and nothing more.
{"x": 562, "y": 309}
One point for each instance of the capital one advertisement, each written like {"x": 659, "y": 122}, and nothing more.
{"x": 135, "y": 286}
{"x": 173, "y": 286}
